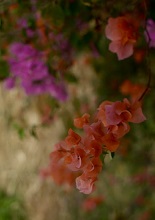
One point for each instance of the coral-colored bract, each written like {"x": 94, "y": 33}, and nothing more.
{"x": 77, "y": 158}
{"x": 123, "y": 32}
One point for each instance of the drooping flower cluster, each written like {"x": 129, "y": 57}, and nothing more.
{"x": 81, "y": 155}
{"x": 123, "y": 32}
{"x": 28, "y": 65}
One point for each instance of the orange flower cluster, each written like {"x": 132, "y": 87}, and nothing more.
{"x": 77, "y": 158}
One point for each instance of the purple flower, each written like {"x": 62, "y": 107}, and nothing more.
{"x": 27, "y": 64}
{"x": 150, "y": 27}
{"x": 35, "y": 87}
{"x": 46, "y": 85}
{"x": 20, "y": 51}
{"x": 58, "y": 91}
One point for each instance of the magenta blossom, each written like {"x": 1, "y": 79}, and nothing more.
{"x": 28, "y": 65}
{"x": 150, "y": 32}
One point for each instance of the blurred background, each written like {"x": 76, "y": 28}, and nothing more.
{"x": 64, "y": 42}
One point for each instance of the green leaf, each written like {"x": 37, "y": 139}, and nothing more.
{"x": 20, "y": 130}
{"x": 112, "y": 154}
{"x": 4, "y": 70}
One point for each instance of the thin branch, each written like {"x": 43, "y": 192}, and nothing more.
{"x": 147, "y": 57}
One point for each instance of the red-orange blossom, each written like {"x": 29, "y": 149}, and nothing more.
{"x": 76, "y": 159}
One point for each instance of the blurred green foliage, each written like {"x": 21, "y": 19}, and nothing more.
{"x": 11, "y": 207}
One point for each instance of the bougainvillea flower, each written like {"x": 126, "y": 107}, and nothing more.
{"x": 110, "y": 142}
{"x": 150, "y": 30}
{"x": 76, "y": 160}
{"x": 96, "y": 130}
{"x": 82, "y": 154}
{"x": 119, "y": 130}
{"x": 81, "y": 121}
{"x": 84, "y": 184}
{"x": 57, "y": 168}
{"x": 123, "y": 33}
{"x": 60, "y": 174}
{"x": 72, "y": 138}
{"x": 95, "y": 148}
{"x": 136, "y": 111}
{"x": 118, "y": 112}
{"x": 113, "y": 113}
{"x": 27, "y": 64}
